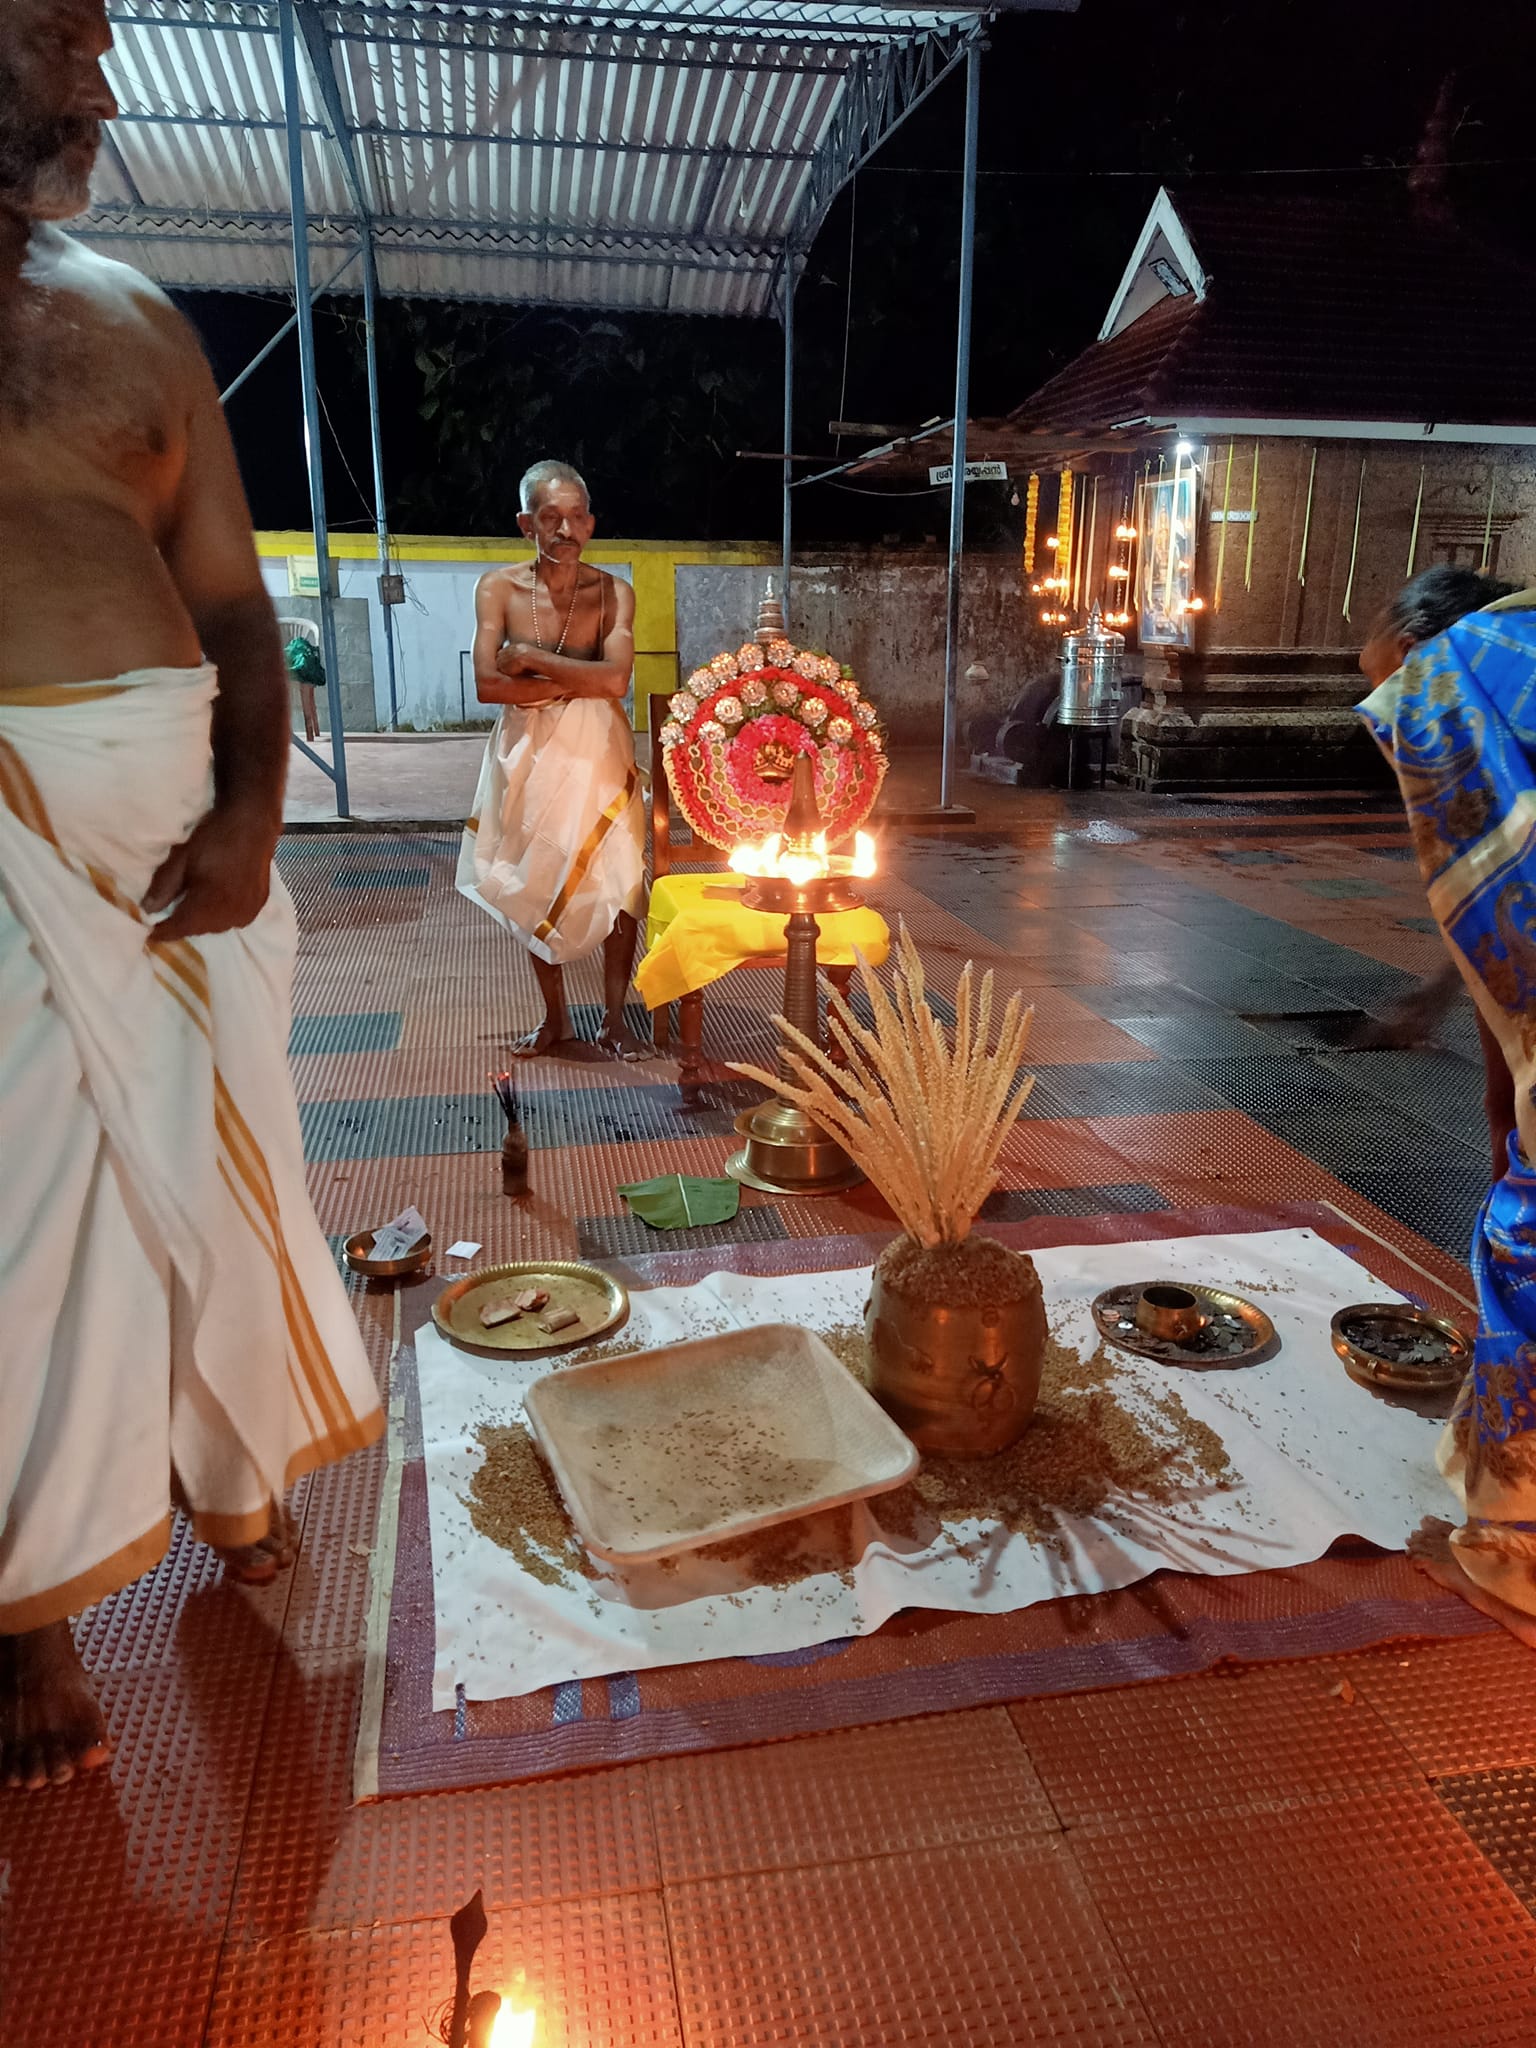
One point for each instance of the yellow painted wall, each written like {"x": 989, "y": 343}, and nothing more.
{"x": 652, "y": 564}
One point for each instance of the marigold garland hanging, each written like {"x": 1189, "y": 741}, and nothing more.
{"x": 734, "y": 731}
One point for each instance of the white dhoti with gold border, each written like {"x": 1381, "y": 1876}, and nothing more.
{"x": 555, "y": 848}
{"x": 168, "y": 1301}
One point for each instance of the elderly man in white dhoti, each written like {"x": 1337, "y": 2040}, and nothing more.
{"x": 556, "y": 847}
{"x": 171, "y": 1323}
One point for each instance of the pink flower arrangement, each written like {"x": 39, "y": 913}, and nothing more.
{"x": 734, "y": 735}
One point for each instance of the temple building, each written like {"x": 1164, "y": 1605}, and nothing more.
{"x": 1296, "y": 399}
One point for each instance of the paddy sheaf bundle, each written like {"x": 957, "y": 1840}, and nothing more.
{"x": 922, "y": 1113}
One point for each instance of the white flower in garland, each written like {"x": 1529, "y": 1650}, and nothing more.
{"x": 867, "y": 716}
{"x": 748, "y": 657}
{"x": 671, "y": 733}
{"x": 728, "y": 710}
{"x": 848, "y": 687}
{"x": 711, "y": 729}
{"x": 682, "y": 705}
{"x": 813, "y": 710}
{"x": 807, "y": 665}
{"x": 723, "y": 667}
{"x": 839, "y": 732}
{"x": 780, "y": 654}
{"x": 701, "y": 682}
{"x": 754, "y": 693}
{"x": 828, "y": 670}
{"x": 785, "y": 694}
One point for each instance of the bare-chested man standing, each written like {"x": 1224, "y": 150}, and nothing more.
{"x": 556, "y": 847}
{"x": 171, "y": 1323}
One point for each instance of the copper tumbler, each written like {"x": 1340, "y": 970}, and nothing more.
{"x": 1171, "y": 1314}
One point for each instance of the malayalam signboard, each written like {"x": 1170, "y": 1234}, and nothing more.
{"x": 975, "y": 473}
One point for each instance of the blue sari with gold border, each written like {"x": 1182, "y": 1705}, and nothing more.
{"x": 1458, "y": 722}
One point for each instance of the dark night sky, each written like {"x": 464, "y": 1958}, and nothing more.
{"x": 1082, "y": 117}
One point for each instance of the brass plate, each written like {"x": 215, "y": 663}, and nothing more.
{"x": 356, "y": 1250}
{"x": 740, "y": 1168}
{"x": 1237, "y": 1334}
{"x": 603, "y": 1303}
{"x": 786, "y": 1154}
{"x": 1372, "y": 1368}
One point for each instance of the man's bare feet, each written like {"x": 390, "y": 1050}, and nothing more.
{"x": 258, "y": 1564}
{"x": 50, "y": 1725}
{"x": 550, "y": 1036}
{"x": 619, "y": 1044}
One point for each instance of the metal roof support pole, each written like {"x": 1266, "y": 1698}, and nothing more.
{"x": 789, "y": 427}
{"x": 947, "y": 805}
{"x": 314, "y": 448}
{"x": 282, "y": 333}
{"x": 376, "y": 442}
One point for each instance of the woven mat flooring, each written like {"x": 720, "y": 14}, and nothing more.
{"x": 1278, "y": 1853}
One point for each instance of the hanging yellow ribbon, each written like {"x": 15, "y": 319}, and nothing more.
{"x": 1221, "y": 545}
{"x": 1354, "y": 546}
{"x": 1488, "y": 525}
{"x": 1413, "y": 538}
{"x": 1173, "y": 530}
{"x": 1031, "y": 516}
{"x": 1253, "y": 519}
{"x": 1129, "y": 523}
{"x": 1306, "y": 524}
{"x": 1064, "y": 536}
{"x": 1087, "y": 558}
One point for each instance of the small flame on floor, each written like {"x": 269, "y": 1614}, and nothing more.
{"x": 513, "y": 2027}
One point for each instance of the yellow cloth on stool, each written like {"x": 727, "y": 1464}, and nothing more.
{"x": 699, "y": 929}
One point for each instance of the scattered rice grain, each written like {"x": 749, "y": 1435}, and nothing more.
{"x": 513, "y": 1500}
{"x": 1086, "y": 1446}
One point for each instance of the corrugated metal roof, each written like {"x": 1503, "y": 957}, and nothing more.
{"x": 614, "y": 154}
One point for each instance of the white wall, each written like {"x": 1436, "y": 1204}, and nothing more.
{"x": 433, "y": 629}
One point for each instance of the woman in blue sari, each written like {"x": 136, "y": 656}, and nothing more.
{"x": 1456, "y": 716}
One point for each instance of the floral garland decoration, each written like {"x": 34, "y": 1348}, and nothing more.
{"x": 1031, "y": 519}
{"x": 735, "y": 729}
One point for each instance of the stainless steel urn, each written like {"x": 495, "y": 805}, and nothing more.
{"x": 1091, "y": 661}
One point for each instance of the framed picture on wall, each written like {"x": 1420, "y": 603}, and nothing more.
{"x": 1168, "y": 559}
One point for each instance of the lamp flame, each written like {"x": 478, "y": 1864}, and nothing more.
{"x": 513, "y": 2027}
{"x": 758, "y": 857}
{"x": 801, "y": 861}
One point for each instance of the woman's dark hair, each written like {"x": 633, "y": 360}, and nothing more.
{"x": 1438, "y": 597}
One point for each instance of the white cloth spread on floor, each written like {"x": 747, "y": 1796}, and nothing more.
{"x": 167, "y": 1296}
{"x": 1317, "y": 1457}
{"x": 555, "y": 848}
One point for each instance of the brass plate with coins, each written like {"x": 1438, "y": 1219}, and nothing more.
{"x": 601, "y": 1306}
{"x": 1392, "y": 1344}
{"x": 1235, "y": 1332}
